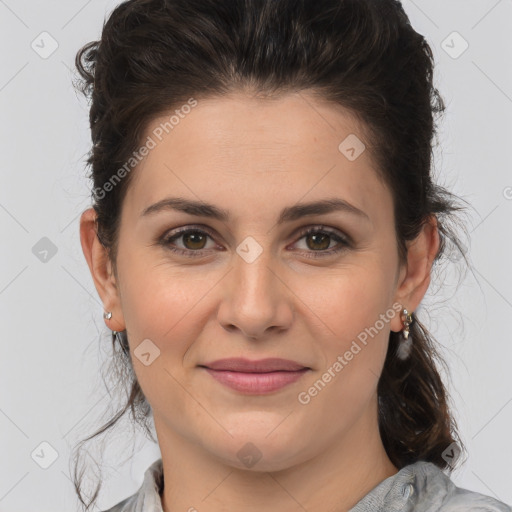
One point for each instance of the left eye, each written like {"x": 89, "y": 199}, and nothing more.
{"x": 321, "y": 237}
{"x": 318, "y": 239}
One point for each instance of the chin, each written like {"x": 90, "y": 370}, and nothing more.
{"x": 258, "y": 458}
{"x": 260, "y": 445}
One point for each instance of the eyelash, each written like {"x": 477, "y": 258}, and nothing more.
{"x": 344, "y": 242}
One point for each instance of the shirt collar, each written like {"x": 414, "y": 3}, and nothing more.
{"x": 390, "y": 495}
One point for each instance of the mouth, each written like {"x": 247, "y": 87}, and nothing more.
{"x": 271, "y": 364}
{"x": 255, "y": 377}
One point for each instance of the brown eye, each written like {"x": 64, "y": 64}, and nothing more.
{"x": 318, "y": 241}
{"x": 194, "y": 240}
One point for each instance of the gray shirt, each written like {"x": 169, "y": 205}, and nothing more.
{"x": 419, "y": 487}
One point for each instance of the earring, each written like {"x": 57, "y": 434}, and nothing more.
{"x": 407, "y": 320}
{"x": 108, "y": 316}
{"x": 404, "y": 348}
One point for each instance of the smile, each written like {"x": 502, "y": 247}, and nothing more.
{"x": 256, "y": 383}
{"x": 255, "y": 377}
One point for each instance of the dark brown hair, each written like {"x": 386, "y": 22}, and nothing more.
{"x": 362, "y": 55}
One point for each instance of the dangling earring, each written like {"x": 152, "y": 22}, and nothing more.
{"x": 404, "y": 348}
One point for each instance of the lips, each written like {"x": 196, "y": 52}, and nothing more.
{"x": 255, "y": 377}
{"x": 260, "y": 366}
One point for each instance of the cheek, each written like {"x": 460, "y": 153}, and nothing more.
{"x": 159, "y": 302}
{"x": 164, "y": 305}
{"x": 342, "y": 390}
{"x": 356, "y": 313}
{"x": 351, "y": 300}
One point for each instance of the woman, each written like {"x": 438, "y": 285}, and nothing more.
{"x": 264, "y": 227}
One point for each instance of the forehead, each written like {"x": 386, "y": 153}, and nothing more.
{"x": 238, "y": 121}
{"x": 280, "y": 149}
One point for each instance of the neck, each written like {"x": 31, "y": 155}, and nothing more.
{"x": 333, "y": 480}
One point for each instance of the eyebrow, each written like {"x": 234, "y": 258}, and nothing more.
{"x": 288, "y": 214}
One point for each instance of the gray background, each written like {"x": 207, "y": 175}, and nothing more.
{"x": 51, "y": 316}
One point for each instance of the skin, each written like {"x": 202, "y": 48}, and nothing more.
{"x": 254, "y": 157}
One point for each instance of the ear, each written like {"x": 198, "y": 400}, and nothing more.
{"x": 415, "y": 274}
{"x": 101, "y": 270}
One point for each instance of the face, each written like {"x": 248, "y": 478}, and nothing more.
{"x": 254, "y": 286}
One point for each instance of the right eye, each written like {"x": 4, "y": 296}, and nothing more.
{"x": 194, "y": 238}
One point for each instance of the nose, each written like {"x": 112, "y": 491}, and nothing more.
{"x": 256, "y": 299}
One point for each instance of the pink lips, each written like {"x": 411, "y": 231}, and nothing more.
{"x": 255, "y": 377}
